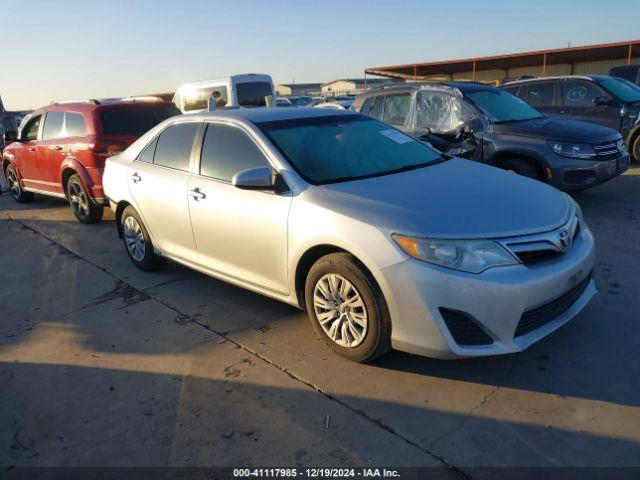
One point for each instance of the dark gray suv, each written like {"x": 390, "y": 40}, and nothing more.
{"x": 484, "y": 123}
{"x": 609, "y": 101}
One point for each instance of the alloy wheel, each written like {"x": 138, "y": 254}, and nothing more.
{"x": 134, "y": 239}
{"x": 78, "y": 199}
{"x": 13, "y": 182}
{"x": 340, "y": 310}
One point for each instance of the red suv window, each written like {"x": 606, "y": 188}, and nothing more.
{"x": 134, "y": 121}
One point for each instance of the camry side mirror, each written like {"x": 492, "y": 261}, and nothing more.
{"x": 10, "y": 137}
{"x": 261, "y": 178}
{"x": 601, "y": 102}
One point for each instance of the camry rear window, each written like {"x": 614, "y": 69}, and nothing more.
{"x": 134, "y": 121}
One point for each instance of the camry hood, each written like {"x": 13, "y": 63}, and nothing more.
{"x": 453, "y": 199}
{"x": 561, "y": 129}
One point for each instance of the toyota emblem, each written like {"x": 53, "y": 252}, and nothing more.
{"x": 564, "y": 239}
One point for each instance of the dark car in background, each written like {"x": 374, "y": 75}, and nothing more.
{"x": 628, "y": 72}
{"x": 489, "y": 125}
{"x": 61, "y": 148}
{"x": 608, "y": 101}
{"x": 7, "y": 124}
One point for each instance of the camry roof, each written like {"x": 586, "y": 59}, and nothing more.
{"x": 269, "y": 114}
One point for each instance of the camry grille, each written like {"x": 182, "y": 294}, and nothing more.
{"x": 544, "y": 247}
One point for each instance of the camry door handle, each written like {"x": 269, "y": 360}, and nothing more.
{"x": 58, "y": 148}
{"x": 197, "y": 194}
{"x": 32, "y": 149}
{"x": 135, "y": 178}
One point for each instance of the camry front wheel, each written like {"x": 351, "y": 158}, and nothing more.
{"x": 347, "y": 309}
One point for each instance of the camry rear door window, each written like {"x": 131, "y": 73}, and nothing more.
{"x": 174, "y": 146}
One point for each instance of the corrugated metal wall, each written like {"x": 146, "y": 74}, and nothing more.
{"x": 491, "y": 76}
{"x": 586, "y": 68}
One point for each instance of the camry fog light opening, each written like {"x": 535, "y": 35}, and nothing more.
{"x": 572, "y": 149}
{"x": 473, "y": 256}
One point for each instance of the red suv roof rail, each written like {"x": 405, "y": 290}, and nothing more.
{"x": 90, "y": 101}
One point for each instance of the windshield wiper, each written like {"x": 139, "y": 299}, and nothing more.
{"x": 406, "y": 168}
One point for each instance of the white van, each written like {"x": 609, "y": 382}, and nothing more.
{"x": 245, "y": 90}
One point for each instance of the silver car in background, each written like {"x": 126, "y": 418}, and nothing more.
{"x": 384, "y": 241}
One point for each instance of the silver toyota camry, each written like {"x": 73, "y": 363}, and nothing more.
{"x": 384, "y": 241}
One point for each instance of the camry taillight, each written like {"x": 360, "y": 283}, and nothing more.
{"x": 107, "y": 148}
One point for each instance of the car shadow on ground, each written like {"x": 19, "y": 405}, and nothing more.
{"x": 121, "y": 417}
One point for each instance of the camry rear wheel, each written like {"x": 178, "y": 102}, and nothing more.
{"x": 17, "y": 192}
{"x": 138, "y": 243}
{"x": 346, "y": 308}
{"x": 83, "y": 208}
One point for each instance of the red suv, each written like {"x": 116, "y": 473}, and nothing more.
{"x": 62, "y": 149}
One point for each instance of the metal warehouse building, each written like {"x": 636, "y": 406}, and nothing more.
{"x": 299, "y": 89}
{"x": 344, "y": 86}
{"x": 592, "y": 59}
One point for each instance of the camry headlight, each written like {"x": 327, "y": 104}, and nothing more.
{"x": 573, "y": 150}
{"x": 472, "y": 256}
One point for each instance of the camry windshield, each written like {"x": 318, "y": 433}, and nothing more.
{"x": 344, "y": 147}
{"x": 501, "y": 106}
{"x": 624, "y": 91}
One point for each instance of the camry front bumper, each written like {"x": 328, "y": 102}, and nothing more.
{"x": 496, "y": 300}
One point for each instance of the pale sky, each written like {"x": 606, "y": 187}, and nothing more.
{"x": 93, "y": 49}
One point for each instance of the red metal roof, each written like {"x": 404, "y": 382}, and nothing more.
{"x": 588, "y": 53}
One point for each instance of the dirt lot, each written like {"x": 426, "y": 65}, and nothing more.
{"x": 101, "y": 364}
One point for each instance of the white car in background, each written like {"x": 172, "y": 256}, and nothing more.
{"x": 336, "y": 104}
{"x": 284, "y": 102}
{"x": 243, "y": 90}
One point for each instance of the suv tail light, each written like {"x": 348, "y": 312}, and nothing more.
{"x": 108, "y": 147}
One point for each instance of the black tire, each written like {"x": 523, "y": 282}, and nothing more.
{"x": 17, "y": 192}
{"x": 376, "y": 340}
{"x": 635, "y": 149}
{"x": 522, "y": 167}
{"x": 83, "y": 208}
{"x": 149, "y": 261}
